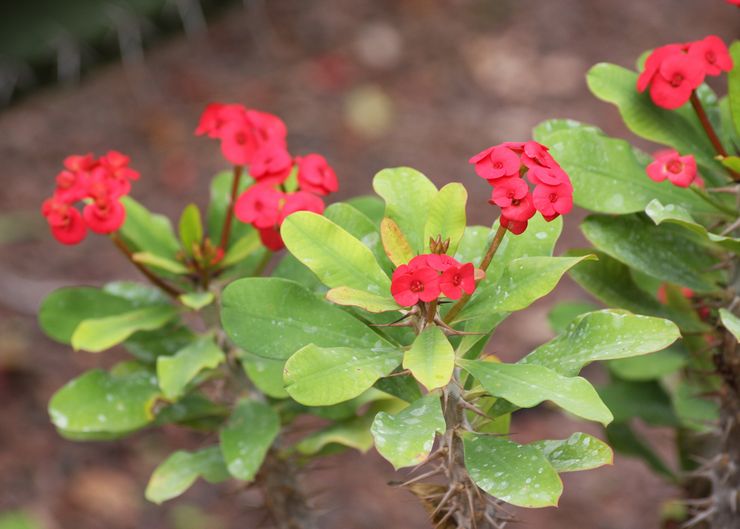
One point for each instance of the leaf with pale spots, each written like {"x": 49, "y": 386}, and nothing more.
{"x": 431, "y": 358}
{"x": 580, "y": 451}
{"x": 406, "y": 438}
{"x": 317, "y": 376}
{"x": 603, "y": 335}
{"x": 351, "y": 297}
{"x": 517, "y": 474}
{"x": 99, "y": 401}
{"x": 247, "y": 437}
{"x": 529, "y": 385}
{"x": 179, "y": 471}
{"x": 336, "y": 257}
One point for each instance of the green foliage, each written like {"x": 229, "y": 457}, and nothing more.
{"x": 178, "y": 472}
{"x": 148, "y": 232}
{"x": 580, "y": 451}
{"x": 733, "y": 89}
{"x": 175, "y": 372}
{"x": 247, "y": 437}
{"x": 447, "y": 216}
{"x": 190, "y": 228}
{"x": 431, "y": 358}
{"x": 731, "y": 322}
{"x": 406, "y": 438}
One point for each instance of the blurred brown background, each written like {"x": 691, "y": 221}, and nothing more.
{"x": 368, "y": 83}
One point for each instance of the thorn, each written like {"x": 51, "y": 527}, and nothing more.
{"x": 698, "y": 518}
{"x": 475, "y": 409}
{"x": 419, "y": 478}
{"x": 444, "y": 500}
{"x": 471, "y": 505}
{"x": 446, "y": 517}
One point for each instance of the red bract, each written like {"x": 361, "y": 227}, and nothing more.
{"x": 260, "y": 206}
{"x": 553, "y": 190}
{"x": 676, "y": 79}
{"x": 653, "y": 62}
{"x": 456, "y": 280}
{"x": 713, "y": 53}
{"x": 271, "y": 165}
{"x": 669, "y": 164}
{"x": 64, "y": 220}
{"x": 271, "y": 238}
{"x": 496, "y": 162}
{"x": 552, "y": 201}
{"x": 412, "y": 286}
{"x": 215, "y": 116}
{"x": 301, "y": 201}
{"x": 316, "y": 175}
{"x": 100, "y": 183}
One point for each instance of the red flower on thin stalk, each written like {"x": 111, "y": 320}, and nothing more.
{"x": 670, "y": 165}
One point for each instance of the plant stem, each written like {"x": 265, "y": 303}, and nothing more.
{"x": 495, "y": 243}
{"x": 169, "y": 289}
{"x": 431, "y": 311}
{"x": 262, "y": 265}
{"x": 709, "y": 129}
{"x": 226, "y": 230}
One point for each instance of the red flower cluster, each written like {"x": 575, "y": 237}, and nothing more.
{"x": 679, "y": 170}
{"x": 258, "y": 140}
{"x": 99, "y": 184}
{"x": 428, "y": 275}
{"x": 674, "y": 71}
{"x": 504, "y": 166}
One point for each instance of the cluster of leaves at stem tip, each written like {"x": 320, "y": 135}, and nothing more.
{"x": 665, "y": 230}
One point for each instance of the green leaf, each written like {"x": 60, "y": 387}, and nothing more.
{"x": 733, "y": 87}
{"x": 651, "y": 366}
{"x": 359, "y": 298}
{"x": 360, "y": 227}
{"x": 408, "y": 195}
{"x": 447, "y": 216}
{"x": 603, "y": 335}
{"x": 580, "y": 451}
{"x": 317, "y": 376}
{"x": 99, "y": 334}
{"x": 395, "y": 245}
{"x": 565, "y": 312}
{"x": 354, "y": 433}
{"x": 191, "y": 228}
{"x": 265, "y": 373}
{"x": 147, "y": 346}
{"x": 473, "y": 244}
{"x": 517, "y": 474}
{"x": 274, "y": 317}
{"x": 139, "y": 294}
{"x": 179, "y": 471}
{"x": 731, "y": 322}
{"x": 18, "y": 520}
{"x": 612, "y": 283}
{"x": 98, "y": 401}
{"x": 692, "y": 406}
{"x": 335, "y": 256}
{"x": 406, "y": 438}
{"x": 63, "y": 310}
{"x": 431, "y": 358}
{"x": 646, "y": 400}
{"x": 160, "y": 263}
{"x": 219, "y": 204}
{"x": 241, "y": 248}
{"x": 625, "y": 441}
{"x": 665, "y": 252}
{"x": 247, "y": 437}
{"x": 369, "y": 205}
{"x": 617, "y": 85}
{"x": 674, "y": 214}
{"x": 527, "y": 386}
{"x": 404, "y": 387}
{"x": 197, "y": 300}
{"x": 608, "y": 174}
{"x": 524, "y": 281}
{"x": 175, "y": 372}
{"x": 148, "y": 232}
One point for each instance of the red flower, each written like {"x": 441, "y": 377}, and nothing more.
{"x": 271, "y": 238}
{"x": 215, "y": 116}
{"x": 412, "y": 286}
{"x": 653, "y": 62}
{"x": 260, "y": 206}
{"x": 536, "y": 154}
{"x": 508, "y": 190}
{"x": 514, "y": 226}
{"x": 104, "y": 216}
{"x": 439, "y": 262}
{"x": 496, "y": 162}
{"x": 316, "y": 175}
{"x": 712, "y": 52}
{"x": 301, "y": 201}
{"x": 71, "y": 186}
{"x": 520, "y": 210}
{"x": 238, "y": 144}
{"x": 551, "y": 176}
{"x": 679, "y": 170}
{"x": 456, "y": 280}
{"x": 677, "y": 77}
{"x": 734, "y": 2}
{"x": 64, "y": 220}
{"x": 552, "y": 201}
{"x": 271, "y": 165}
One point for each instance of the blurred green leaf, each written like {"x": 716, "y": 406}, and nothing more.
{"x": 247, "y": 437}
{"x": 180, "y": 470}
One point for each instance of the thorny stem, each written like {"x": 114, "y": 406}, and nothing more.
{"x": 169, "y": 289}
{"x": 709, "y": 129}
{"x": 495, "y": 243}
{"x": 282, "y": 496}
{"x": 226, "y": 230}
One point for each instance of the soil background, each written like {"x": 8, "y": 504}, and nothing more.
{"x": 368, "y": 83}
